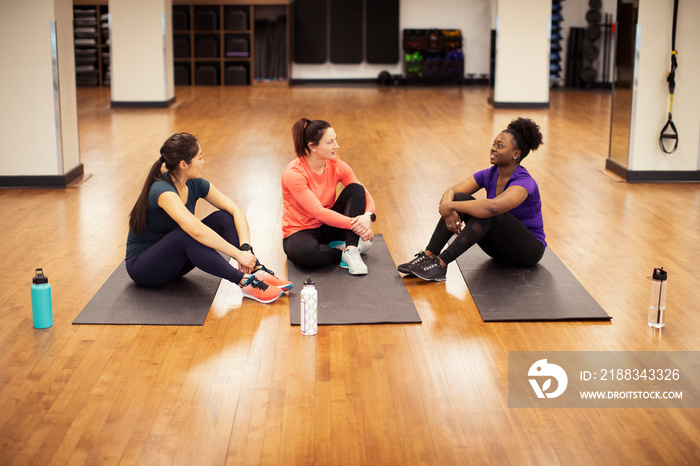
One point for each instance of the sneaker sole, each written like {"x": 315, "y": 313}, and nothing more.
{"x": 260, "y": 300}
{"x": 352, "y": 272}
{"x": 441, "y": 279}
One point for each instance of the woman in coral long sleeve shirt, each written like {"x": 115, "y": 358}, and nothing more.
{"x": 318, "y": 228}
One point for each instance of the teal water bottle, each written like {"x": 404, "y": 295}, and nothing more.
{"x": 42, "y": 313}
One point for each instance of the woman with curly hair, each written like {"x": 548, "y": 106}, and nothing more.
{"x": 507, "y": 225}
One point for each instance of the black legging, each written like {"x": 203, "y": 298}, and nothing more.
{"x": 177, "y": 253}
{"x": 503, "y": 237}
{"x": 310, "y": 249}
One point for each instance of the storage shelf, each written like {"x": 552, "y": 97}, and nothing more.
{"x": 221, "y": 20}
{"x": 91, "y": 44}
{"x": 232, "y": 25}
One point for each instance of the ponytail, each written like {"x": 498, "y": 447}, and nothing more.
{"x": 178, "y": 147}
{"x": 137, "y": 217}
{"x": 305, "y": 132}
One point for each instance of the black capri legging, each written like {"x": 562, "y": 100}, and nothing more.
{"x": 503, "y": 237}
{"x": 177, "y": 253}
{"x": 309, "y": 248}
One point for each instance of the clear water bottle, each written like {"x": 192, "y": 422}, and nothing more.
{"x": 309, "y": 308}
{"x": 657, "y": 301}
{"x": 42, "y": 313}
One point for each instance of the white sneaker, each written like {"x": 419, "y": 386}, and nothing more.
{"x": 364, "y": 246}
{"x": 351, "y": 260}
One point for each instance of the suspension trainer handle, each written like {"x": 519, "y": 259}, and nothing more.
{"x": 669, "y": 130}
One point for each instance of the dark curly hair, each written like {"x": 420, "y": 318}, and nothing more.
{"x": 526, "y": 134}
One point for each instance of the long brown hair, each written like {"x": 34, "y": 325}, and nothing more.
{"x": 305, "y": 132}
{"x": 177, "y": 148}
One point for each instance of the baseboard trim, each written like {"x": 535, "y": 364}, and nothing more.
{"x": 42, "y": 181}
{"x": 152, "y": 104}
{"x": 649, "y": 176}
{"x": 327, "y": 82}
{"x": 520, "y": 104}
{"x": 395, "y": 80}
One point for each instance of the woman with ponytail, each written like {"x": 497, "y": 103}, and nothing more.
{"x": 319, "y": 229}
{"x": 507, "y": 225}
{"x": 166, "y": 240}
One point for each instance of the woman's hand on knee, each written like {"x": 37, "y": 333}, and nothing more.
{"x": 361, "y": 224}
{"x": 362, "y": 227}
{"x": 446, "y": 209}
{"x": 454, "y": 223}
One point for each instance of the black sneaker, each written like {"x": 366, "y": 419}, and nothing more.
{"x": 406, "y": 268}
{"x": 429, "y": 269}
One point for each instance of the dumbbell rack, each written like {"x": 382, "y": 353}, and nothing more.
{"x": 433, "y": 56}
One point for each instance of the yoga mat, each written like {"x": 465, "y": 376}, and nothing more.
{"x": 380, "y": 297}
{"x": 310, "y": 31}
{"x": 120, "y": 301}
{"x": 545, "y": 292}
{"x": 346, "y": 31}
{"x": 382, "y": 32}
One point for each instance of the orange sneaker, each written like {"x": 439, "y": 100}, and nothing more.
{"x": 269, "y": 277}
{"x": 258, "y": 290}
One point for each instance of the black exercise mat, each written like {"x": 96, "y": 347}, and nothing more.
{"x": 310, "y": 31}
{"x": 120, "y": 301}
{"x": 382, "y": 32}
{"x": 380, "y": 297}
{"x": 346, "y": 31}
{"x": 546, "y": 292}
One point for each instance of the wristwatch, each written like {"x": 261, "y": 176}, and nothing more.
{"x": 372, "y": 216}
{"x": 246, "y": 247}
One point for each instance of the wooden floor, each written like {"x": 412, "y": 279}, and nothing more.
{"x": 247, "y": 388}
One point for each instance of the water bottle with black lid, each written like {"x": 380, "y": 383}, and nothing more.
{"x": 657, "y": 301}
{"x": 42, "y": 313}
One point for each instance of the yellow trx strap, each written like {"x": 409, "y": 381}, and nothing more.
{"x": 669, "y": 130}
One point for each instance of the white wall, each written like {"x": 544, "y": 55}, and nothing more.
{"x": 656, "y": 19}
{"x": 523, "y": 45}
{"x": 471, "y": 16}
{"x": 66, "y": 71}
{"x": 141, "y": 58}
{"x": 28, "y": 112}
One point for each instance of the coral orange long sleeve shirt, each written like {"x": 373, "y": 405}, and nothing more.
{"x": 308, "y": 197}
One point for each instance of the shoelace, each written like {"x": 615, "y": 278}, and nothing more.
{"x": 255, "y": 283}
{"x": 265, "y": 269}
{"x": 353, "y": 253}
{"x": 418, "y": 256}
{"x": 433, "y": 263}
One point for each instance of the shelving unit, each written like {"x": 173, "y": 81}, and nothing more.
{"x": 433, "y": 55}
{"x": 215, "y": 44}
{"x": 91, "y": 42}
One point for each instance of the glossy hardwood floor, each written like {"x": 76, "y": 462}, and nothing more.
{"x": 246, "y": 387}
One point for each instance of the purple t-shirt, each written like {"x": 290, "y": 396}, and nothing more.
{"x": 530, "y": 211}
